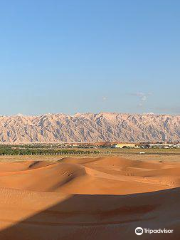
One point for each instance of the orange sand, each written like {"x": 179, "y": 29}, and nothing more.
{"x": 88, "y": 199}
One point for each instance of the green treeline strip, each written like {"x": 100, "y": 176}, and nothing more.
{"x": 29, "y": 151}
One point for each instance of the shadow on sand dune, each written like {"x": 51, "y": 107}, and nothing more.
{"x": 96, "y": 217}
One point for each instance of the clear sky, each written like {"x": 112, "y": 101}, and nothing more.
{"x": 89, "y": 56}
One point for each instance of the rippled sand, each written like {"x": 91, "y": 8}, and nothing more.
{"x": 88, "y": 198}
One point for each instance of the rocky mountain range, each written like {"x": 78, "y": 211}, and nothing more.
{"x": 88, "y": 127}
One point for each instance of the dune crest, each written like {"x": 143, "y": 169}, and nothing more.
{"x": 87, "y": 198}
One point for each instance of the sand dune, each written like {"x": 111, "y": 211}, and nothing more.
{"x": 88, "y": 198}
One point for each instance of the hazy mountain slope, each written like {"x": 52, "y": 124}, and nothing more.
{"x": 89, "y": 128}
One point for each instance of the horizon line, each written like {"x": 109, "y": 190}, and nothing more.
{"x": 86, "y": 113}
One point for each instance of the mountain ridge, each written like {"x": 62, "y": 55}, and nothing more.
{"x": 89, "y": 127}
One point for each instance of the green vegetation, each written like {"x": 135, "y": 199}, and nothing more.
{"x": 50, "y": 149}
{"x": 41, "y": 150}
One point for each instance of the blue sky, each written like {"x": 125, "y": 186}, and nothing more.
{"x": 89, "y": 56}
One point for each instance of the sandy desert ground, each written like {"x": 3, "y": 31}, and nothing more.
{"x": 88, "y": 199}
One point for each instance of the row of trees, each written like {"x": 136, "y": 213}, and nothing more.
{"x": 30, "y": 151}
